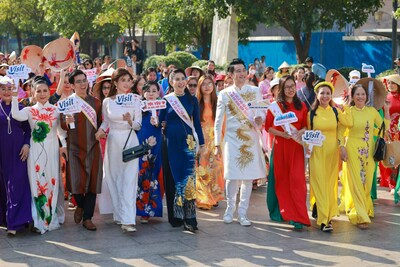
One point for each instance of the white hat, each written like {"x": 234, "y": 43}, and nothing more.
{"x": 6, "y": 80}
{"x": 284, "y": 65}
{"x": 354, "y": 73}
{"x": 274, "y": 82}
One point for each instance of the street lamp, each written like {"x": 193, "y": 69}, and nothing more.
{"x": 394, "y": 33}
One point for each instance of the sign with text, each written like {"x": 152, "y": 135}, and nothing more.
{"x": 17, "y": 72}
{"x": 129, "y": 100}
{"x": 285, "y": 119}
{"x": 153, "y": 105}
{"x": 263, "y": 104}
{"x": 69, "y": 105}
{"x": 367, "y": 69}
{"x": 91, "y": 76}
{"x": 312, "y": 138}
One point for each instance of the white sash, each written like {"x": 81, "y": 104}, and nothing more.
{"x": 87, "y": 109}
{"x": 244, "y": 108}
{"x": 182, "y": 113}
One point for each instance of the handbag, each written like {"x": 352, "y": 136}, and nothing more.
{"x": 134, "y": 152}
{"x": 380, "y": 145}
{"x": 392, "y": 156}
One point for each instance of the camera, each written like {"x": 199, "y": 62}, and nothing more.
{"x": 128, "y": 46}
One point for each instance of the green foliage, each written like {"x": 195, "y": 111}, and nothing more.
{"x": 200, "y": 63}
{"x": 153, "y": 61}
{"x": 186, "y": 59}
{"x": 386, "y": 73}
{"x": 84, "y": 56}
{"x": 182, "y": 23}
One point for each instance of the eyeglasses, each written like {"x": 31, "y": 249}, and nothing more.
{"x": 106, "y": 88}
{"x": 193, "y": 85}
{"x": 81, "y": 81}
{"x": 290, "y": 87}
{"x": 209, "y": 85}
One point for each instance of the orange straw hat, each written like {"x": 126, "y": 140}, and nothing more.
{"x": 32, "y": 56}
{"x": 340, "y": 84}
{"x": 59, "y": 54}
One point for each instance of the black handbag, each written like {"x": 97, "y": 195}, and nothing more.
{"x": 380, "y": 145}
{"x": 134, "y": 152}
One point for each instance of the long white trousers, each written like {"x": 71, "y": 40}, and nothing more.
{"x": 232, "y": 187}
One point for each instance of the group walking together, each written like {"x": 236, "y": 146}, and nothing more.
{"x": 205, "y": 145}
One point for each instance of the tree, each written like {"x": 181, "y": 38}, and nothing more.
{"x": 75, "y": 15}
{"x": 124, "y": 13}
{"x": 300, "y": 17}
{"x": 182, "y": 23}
{"x": 20, "y": 18}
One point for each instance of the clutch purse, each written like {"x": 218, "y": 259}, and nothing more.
{"x": 380, "y": 146}
{"x": 134, "y": 152}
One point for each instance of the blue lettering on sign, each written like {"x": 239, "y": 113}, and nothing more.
{"x": 121, "y": 99}
{"x": 284, "y": 116}
{"x": 63, "y": 105}
{"x": 15, "y": 69}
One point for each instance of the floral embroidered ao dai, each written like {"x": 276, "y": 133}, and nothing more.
{"x": 43, "y": 162}
{"x": 358, "y": 170}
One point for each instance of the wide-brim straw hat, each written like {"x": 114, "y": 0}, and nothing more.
{"x": 119, "y": 63}
{"x": 32, "y": 56}
{"x": 97, "y": 87}
{"x": 59, "y": 54}
{"x": 284, "y": 65}
{"x": 394, "y": 78}
{"x": 188, "y": 71}
{"x": 341, "y": 86}
{"x": 379, "y": 92}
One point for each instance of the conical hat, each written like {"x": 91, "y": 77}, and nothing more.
{"x": 284, "y": 65}
{"x": 97, "y": 86}
{"x": 74, "y": 38}
{"x": 13, "y": 56}
{"x": 119, "y": 63}
{"x": 31, "y": 56}
{"x": 379, "y": 93}
{"x": 341, "y": 86}
{"x": 188, "y": 71}
{"x": 107, "y": 74}
{"x": 59, "y": 54}
{"x": 395, "y": 78}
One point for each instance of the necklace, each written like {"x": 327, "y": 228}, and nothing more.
{"x": 9, "y": 131}
{"x": 180, "y": 94}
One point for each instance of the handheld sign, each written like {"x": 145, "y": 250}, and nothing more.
{"x": 17, "y": 72}
{"x": 263, "y": 104}
{"x": 91, "y": 76}
{"x": 312, "y": 138}
{"x": 69, "y": 106}
{"x": 127, "y": 100}
{"x": 285, "y": 119}
{"x": 367, "y": 69}
{"x": 153, "y": 105}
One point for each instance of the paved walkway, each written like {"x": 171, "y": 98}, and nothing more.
{"x": 265, "y": 243}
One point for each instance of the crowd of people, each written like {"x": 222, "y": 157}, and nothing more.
{"x": 206, "y": 145}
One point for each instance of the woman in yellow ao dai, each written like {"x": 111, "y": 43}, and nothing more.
{"x": 324, "y": 161}
{"x": 357, "y": 154}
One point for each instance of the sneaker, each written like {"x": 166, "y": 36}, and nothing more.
{"x": 128, "y": 228}
{"x": 244, "y": 221}
{"x": 228, "y": 218}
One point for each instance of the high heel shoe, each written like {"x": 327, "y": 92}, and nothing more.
{"x": 190, "y": 228}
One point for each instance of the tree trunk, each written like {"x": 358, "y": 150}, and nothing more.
{"x": 205, "y": 40}
{"x": 302, "y": 48}
{"x": 19, "y": 39}
{"x": 85, "y": 43}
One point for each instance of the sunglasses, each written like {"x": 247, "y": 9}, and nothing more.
{"x": 192, "y": 85}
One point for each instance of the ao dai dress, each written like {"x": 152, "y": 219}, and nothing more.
{"x": 358, "y": 170}
{"x": 150, "y": 181}
{"x": 210, "y": 172}
{"x": 287, "y": 174}
{"x": 43, "y": 162}
{"x": 324, "y": 163}
{"x": 120, "y": 178}
{"x": 15, "y": 192}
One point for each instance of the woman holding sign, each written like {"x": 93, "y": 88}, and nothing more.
{"x": 120, "y": 178}
{"x": 324, "y": 161}
{"x": 43, "y": 160}
{"x": 287, "y": 174}
{"x": 150, "y": 181}
{"x": 184, "y": 137}
{"x": 357, "y": 154}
